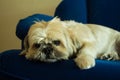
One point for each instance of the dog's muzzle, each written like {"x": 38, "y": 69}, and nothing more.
{"x": 47, "y": 50}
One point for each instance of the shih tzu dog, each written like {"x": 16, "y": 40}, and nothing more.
{"x": 59, "y": 40}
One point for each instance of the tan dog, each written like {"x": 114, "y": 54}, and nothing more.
{"x": 56, "y": 40}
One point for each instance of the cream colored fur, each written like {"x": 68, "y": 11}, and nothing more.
{"x": 85, "y": 41}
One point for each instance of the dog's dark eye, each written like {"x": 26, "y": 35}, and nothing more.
{"x": 56, "y": 42}
{"x": 36, "y": 45}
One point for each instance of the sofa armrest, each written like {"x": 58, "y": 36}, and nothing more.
{"x": 24, "y": 24}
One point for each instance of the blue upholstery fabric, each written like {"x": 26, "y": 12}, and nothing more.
{"x": 72, "y": 10}
{"x": 18, "y": 66}
{"x": 105, "y": 12}
{"x": 5, "y": 59}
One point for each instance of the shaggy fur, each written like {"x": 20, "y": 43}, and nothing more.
{"x": 56, "y": 40}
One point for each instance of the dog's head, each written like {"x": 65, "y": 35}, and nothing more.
{"x": 48, "y": 41}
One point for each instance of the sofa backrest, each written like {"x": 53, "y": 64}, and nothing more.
{"x": 72, "y": 10}
{"x": 103, "y": 12}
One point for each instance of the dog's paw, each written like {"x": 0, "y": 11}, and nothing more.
{"x": 110, "y": 56}
{"x": 85, "y": 62}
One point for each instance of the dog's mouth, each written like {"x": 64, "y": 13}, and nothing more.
{"x": 43, "y": 57}
{"x": 47, "y": 54}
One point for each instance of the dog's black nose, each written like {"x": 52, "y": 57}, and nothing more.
{"x": 47, "y": 50}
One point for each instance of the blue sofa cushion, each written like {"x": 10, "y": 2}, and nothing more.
{"x": 18, "y": 67}
{"x": 72, "y": 10}
{"x": 24, "y": 24}
{"x": 104, "y": 12}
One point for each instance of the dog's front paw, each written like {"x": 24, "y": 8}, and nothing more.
{"x": 85, "y": 62}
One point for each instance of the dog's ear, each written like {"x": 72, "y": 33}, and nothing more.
{"x": 26, "y": 46}
{"x": 74, "y": 42}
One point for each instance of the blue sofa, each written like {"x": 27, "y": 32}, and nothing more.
{"x": 104, "y": 12}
